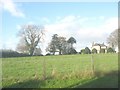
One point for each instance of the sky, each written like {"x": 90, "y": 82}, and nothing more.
{"x": 87, "y": 22}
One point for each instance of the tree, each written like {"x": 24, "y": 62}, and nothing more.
{"x": 71, "y": 40}
{"x": 87, "y": 50}
{"x": 61, "y": 44}
{"x": 112, "y": 40}
{"x": 94, "y": 50}
{"x": 72, "y": 51}
{"x": 57, "y": 43}
{"x": 31, "y": 35}
{"x": 110, "y": 50}
{"x": 52, "y": 46}
{"x": 22, "y": 47}
{"x": 65, "y": 47}
{"x": 11, "y": 53}
{"x": 82, "y": 51}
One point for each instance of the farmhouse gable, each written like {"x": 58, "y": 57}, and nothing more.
{"x": 99, "y": 47}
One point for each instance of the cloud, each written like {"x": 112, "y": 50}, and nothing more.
{"x": 11, "y": 7}
{"x": 78, "y": 27}
{"x": 110, "y": 24}
{"x": 81, "y": 29}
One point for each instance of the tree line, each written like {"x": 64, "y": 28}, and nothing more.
{"x": 31, "y": 37}
{"x": 94, "y": 51}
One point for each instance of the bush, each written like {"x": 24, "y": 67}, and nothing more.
{"x": 110, "y": 50}
{"x": 87, "y": 50}
{"x": 48, "y": 54}
{"x": 79, "y": 52}
{"x": 38, "y": 55}
{"x": 82, "y": 51}
{"x": 94, "y": 50}
{"x": 11, "y": 53}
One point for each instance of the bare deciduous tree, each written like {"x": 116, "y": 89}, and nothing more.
{"x": 21, "y": 47}
{"x": 112, "y": 40}
{"x": 30, "y": 35}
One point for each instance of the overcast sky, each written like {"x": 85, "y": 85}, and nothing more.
{"x": 87, "y": 22}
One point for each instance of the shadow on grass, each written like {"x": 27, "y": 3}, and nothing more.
{"x": 103, "y": 80}
{"x": 31, "y": 84}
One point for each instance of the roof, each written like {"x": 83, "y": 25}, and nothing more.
{"x": 96, "y": 44}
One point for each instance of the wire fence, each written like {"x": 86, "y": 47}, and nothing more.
{"x": 56, "y": 67}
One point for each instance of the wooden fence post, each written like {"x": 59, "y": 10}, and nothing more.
{"x": 44, "y": 68}
{"x": 92, "y": 64}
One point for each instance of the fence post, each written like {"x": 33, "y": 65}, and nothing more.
{"x": 92, "y": 64}
{"x": 44, "y": 68}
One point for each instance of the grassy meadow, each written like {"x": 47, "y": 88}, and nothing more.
{"x": 62, "y": 71}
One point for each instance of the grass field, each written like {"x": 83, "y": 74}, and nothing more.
{"x": 74, "y": 71}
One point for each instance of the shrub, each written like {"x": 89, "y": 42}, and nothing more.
{"x": 94, "y": 50}
{"x": 87, "y": 50}
{"x": 48, "y": 54}
{"x": 11, "y": 53}
{"x": 79, "y": 52}
{"x": 82, "y": 51}
{"x": 110, "y": 50}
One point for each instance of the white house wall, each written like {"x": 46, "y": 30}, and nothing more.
{"x": 97, "y": 48}
{"x": 103, "y": 47}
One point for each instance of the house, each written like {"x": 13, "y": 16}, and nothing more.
{"x": 99, "y": 47}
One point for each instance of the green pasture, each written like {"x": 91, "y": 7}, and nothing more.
{"x": 61, "y": 71}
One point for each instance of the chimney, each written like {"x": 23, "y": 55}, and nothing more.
{"x": 92, "y": 43}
